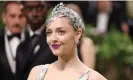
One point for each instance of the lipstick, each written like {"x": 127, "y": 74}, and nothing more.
{"x": 55, "y": 46}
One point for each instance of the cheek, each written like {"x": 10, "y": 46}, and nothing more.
{"x": 48, "y": 40}
{"x": 29, "y": 16}
{"x": 23, "y": 21}
{"x": 68, "y": 41}
{"x": 9, "y": 22}
{"x": 42, "y": 13}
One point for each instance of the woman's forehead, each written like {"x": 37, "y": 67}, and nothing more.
{"x": 60, "y": 22}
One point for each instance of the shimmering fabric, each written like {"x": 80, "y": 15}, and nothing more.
{"x": 44, "y": 69}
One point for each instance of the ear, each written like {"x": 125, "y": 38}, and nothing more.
{"x": 4, "y": 17}
{"x": 78, "y": 35}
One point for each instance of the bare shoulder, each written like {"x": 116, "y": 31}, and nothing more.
{"x": 34, "y": 72}
{"x": 94, "y": 75}
{"x": 87, "y": 45}
{"x": 87, "y": 40}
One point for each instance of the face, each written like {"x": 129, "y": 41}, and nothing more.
{"x": 35, "y": 12}
{"x": 61, "y": 36}
{"x": 104, "y": 5}
{"x": 13, "y": 18}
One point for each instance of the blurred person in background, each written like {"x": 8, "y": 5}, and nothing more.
{"x": 128, "y": 68}
{"x": 10, "y": 38}
{"x": 86, "y": 49}
{"x": 34, "y": 50}
{"x": 130, "y": 17}
{"x": 109, "y": 15}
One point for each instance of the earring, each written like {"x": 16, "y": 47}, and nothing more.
{"x": 77, "y": 41}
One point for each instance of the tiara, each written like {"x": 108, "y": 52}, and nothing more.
{"x": 62, "y": 11}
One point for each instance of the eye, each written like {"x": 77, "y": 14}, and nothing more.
{"x": 21, "y": 16}
{"x": 12, "y": 15}
{"x": 39, "y": 8}
{"x": 28, "y": 8}
{"x": 61, "y": 32}
{"x": 48, "y": 33}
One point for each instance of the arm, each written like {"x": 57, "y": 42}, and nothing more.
{"x": 88, "y": 52}
{"x": 34, "y": 73}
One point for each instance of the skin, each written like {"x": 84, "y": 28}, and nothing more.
{"x": 88, "y": 52}
{"x": 62, "y": 34}
{"x": 60, "y": 31}
{"x": 104, "y": 6}
{"x": 87, "y": 49}
{"x": 36, "y": 13}
{"x": 13, "y": 18}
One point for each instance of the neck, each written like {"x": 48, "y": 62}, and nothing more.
{"x": 70, "y": 61}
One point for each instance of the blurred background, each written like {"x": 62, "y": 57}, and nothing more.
{"x": 110, "y": 26}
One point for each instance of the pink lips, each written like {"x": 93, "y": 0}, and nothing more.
{"x": 55, "y": 46}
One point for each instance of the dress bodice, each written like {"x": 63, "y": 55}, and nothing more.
{"x": 44, "y": 69}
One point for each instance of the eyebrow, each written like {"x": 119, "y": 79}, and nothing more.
{"x": 60, "y": 28}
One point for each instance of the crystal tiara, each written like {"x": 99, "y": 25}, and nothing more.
{"x": 62, "y": 11}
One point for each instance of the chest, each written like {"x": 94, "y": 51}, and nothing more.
{"x": 62, "y": 76}
{"x": 68, "y": 74}
{"x": 65, "y": 75}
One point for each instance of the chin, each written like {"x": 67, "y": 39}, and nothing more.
{"x": 56, "y": 53}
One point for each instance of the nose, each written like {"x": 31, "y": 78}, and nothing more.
{"x": 54, "y": 37}
{"x": 17, "y": 19}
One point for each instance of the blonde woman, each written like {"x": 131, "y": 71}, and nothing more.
{"x": 64, "y": 29}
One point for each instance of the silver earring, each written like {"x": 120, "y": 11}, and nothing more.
{"x": 77, "y": 41}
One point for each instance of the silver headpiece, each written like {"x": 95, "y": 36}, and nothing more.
{"x": 62, "y": 11}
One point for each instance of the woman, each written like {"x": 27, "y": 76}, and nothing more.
{"x": 64, "y": 29}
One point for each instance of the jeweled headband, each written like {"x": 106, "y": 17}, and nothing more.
{"x": 61, "y": 11}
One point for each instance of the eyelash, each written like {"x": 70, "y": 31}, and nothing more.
{"x": 61, "y": 32}
{"x": 48, "y": 32}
